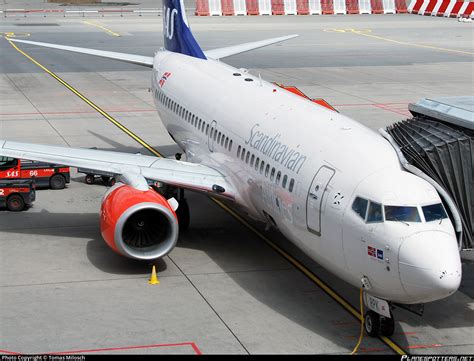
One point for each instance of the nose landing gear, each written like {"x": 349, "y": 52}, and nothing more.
{"x": 376, "y": 325}
{"x": 378, "y": 319}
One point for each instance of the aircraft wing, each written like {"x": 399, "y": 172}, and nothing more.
{"x": 181, "y": 174}
{"x": 148, "y": 61}
{"x": 242, "y": 48}
{"x": 128, "y": 58}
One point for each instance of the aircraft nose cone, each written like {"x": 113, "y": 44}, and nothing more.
{"x": 429, "y": 266}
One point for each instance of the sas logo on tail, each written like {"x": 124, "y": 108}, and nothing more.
{"x": 168, "y": 19}
{"x": 164, "y": 78}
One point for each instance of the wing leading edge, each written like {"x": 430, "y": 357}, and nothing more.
{"x": 190, "y": 176}
{"x": 128, "y": 58}
{"x": 242, "y": 48}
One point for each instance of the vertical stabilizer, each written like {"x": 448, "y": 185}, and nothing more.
{"x": 177, "y": 35}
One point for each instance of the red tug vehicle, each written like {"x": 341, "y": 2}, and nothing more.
{"x": 44, "y": 175}
{"x": 16, "y": 195}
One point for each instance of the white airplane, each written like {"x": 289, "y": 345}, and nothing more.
{"x": 333, "y": 187}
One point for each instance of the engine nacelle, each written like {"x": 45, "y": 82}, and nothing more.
{"x": 138, "y": 224}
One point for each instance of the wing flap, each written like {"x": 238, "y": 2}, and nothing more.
{"x": 191, "y": 176}
{"x": 242, "y": 48}
{"x": 128, "y": 58}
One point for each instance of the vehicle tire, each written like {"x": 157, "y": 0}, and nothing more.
{"x": 387, "y": 325}
{"x": 372, "y": 324}
{"x": 57, "y": 181}
{"x": 183, "y": 214}
{"x": 89, "y": 179}
{"x": 15, "y": 203}
{"x": 112, "y": 181}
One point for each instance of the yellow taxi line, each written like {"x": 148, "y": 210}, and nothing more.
{"x": 108, "y": 31}
{"x": 367, "y": 33}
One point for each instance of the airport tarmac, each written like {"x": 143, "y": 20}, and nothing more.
{"x": 223, "y": 289}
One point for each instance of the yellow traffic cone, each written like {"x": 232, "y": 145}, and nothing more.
{"x": 154, "y": 280}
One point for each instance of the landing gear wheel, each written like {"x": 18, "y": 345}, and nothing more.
{"x": 387, "y": 325}
{"x": 89, "y": 179}
{"x": 372, "y": 324}
{"x": 15, "y": 203}
{"x": 183, "y": 215}
{"x": 112, "y": 181}
{"x": 105, "y": 180}
{"x": 57, "y": 181}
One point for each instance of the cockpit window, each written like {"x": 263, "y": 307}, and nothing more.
{"x": 360, "y": 206}
{"x": 434, "y": 212}
{"x": 375, "y": 213}
{"x": 402, "y": 214}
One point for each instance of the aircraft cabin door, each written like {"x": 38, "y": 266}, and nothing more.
{"x": 314, "y": 201}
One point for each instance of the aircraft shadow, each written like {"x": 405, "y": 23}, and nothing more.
{"x": 165, "y": 150}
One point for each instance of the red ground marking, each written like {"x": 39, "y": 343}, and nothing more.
{"x": 393, "y": 110}
{"x": 82, "y": 112}
{"x": 195, "y": 348}
{"x": 372, "y": 349}
{"x": 367, "y": 104}
{"x": 424, "y": 346}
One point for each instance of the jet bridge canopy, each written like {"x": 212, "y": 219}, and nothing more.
{"x": 439, "y": 140}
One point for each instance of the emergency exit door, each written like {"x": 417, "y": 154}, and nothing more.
{"x": 316, "y": 195}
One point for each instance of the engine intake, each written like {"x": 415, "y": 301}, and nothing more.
{"x": 138, "y": 224}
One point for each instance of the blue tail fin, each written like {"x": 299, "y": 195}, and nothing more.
{"x": 177, "y": 35}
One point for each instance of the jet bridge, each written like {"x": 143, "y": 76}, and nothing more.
{"x": 438, "y": 144}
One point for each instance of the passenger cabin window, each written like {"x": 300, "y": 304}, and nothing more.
{"x": 360, "y": 207}
{"x": 434, "y": 212}
{"x": 238, "y": 151}
{"x": 278, "y": 177}
{"x": 402, "y": 214}
{"x": 292, "y": 184}
{"x": 375, "y": 213}
{"x": 285, "y": 179}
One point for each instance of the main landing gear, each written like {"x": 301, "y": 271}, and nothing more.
{"x": 182, "y": 212}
